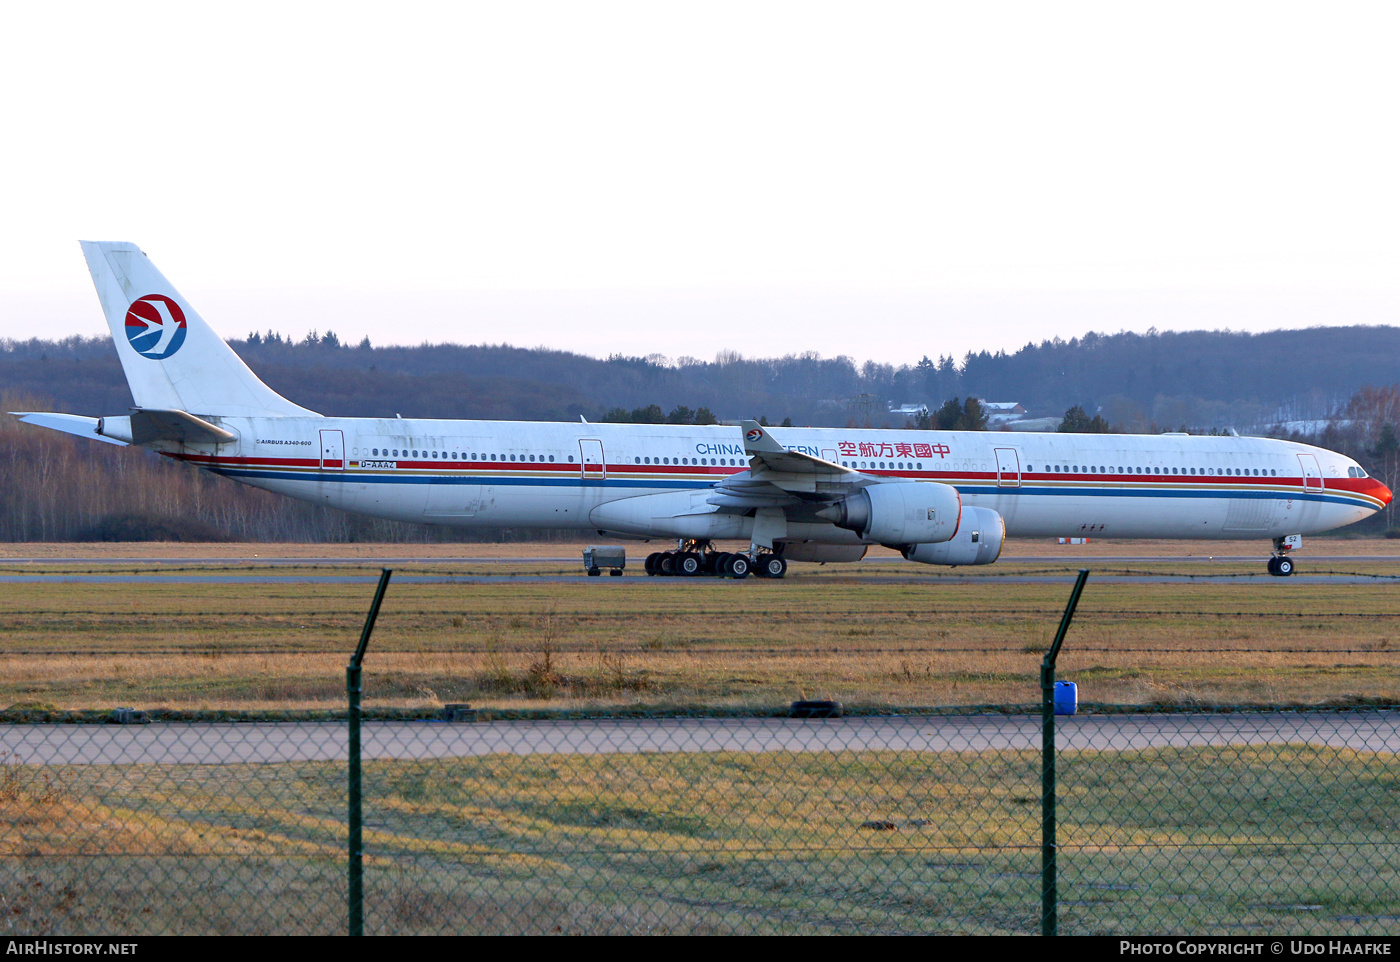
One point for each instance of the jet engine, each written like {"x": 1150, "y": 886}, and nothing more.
{"x": 899, "y": 512}
{"x": 978, "y": 541}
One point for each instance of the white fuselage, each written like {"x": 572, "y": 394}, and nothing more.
{"x": 555, "y": 475}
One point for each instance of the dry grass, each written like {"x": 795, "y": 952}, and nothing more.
{"x": 872, "y": 635}
{"x": 1204, "y": 840}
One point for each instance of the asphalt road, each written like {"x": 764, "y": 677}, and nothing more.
{"x": 1004, "y": 572}
{"x": 1001, "y": 576}
{"x": 637, "y": 557}
{"x": 205, "y": 744}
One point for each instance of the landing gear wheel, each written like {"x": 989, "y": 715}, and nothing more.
{"x": 717, "y": 563}
{"x": 1284, "y": 567}
{"x": 1273, "y": 565}
{"x": 737, "y": 567}
{"x": 771, "y": 566}
{"x": 650, "y": 566}
{"x": 666, "y": 564}
{"x": 688, "y": 564}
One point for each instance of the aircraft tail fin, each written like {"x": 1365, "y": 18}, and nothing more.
{"x": 173, "y": 360}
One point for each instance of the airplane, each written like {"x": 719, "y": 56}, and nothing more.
{"x": 794, "y": 494}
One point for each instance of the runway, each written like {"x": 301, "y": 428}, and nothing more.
{"x": 1002, "y": 575}
{"x": 262, "y": 743}
{"x": 323, "y": 571}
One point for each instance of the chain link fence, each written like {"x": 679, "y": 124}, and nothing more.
{"x": 1214, "y": 822}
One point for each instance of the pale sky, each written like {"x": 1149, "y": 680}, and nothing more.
{"x": 878, "y": 180}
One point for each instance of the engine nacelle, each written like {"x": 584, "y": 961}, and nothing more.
{"x": 899, "y": 512}
{"x": 978, "y": 541}
{"x": 675, "y": 514}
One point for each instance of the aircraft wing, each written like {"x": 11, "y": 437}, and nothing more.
{"x": 767, "y": 456}
{"x": 780, "y": 478}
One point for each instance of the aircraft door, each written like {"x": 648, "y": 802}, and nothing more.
{"x": 1312, "y": 472}
{"x": 332, "y": 451}
{"x": 1008, "y": 468}
{"x": 593, "y": 464}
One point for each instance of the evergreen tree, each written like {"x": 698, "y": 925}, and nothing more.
{"x": 1078, "y": 422}
{"x": 651, "y": 414}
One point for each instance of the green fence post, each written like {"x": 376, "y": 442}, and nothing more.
{"x": 352, "y": 692}
{"x": 1049, "y": 891}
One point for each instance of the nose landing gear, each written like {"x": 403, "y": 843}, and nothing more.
{"x": 1280, "y": 565}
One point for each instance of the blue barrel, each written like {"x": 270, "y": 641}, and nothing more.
{"x": 1066, "y": 698}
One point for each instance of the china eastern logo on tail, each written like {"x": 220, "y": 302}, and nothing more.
{"x": 753, "y": 435}
{"x": 155, "y": 326}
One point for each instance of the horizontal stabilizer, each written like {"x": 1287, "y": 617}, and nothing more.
{"x": 141, "y": 427}
{"x": 67, "y": 423}
{"x": 150, "y": 425}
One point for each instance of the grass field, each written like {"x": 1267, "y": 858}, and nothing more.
{"x": 1201, "y": 840}
{"x": 872, "y": 635}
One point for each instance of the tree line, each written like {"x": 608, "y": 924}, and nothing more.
{"x": 1203, "y": 379}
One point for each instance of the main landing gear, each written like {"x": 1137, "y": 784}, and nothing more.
{"x": 695, "y": 558}
{"x": 1280, "y": 565}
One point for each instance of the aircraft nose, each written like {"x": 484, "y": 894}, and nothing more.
{"x": 1382, "y": 493}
